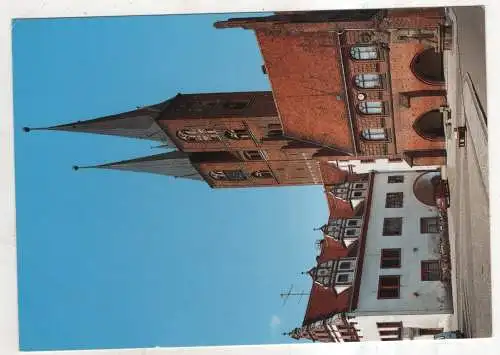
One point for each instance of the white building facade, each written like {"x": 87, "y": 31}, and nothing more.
{"x": 401, "y": 293}
{"x": 394, "y": 235}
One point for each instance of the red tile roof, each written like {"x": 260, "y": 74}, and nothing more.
{"x": 331, "y": 174}
{"x": 310, "y": 102}
{"x": 338, "y": 208}
{"x": 324, "y": 302}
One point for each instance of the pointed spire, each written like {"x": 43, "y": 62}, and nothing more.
{"x": 140, "y": 123}
{"x": 77, "y": 167}
{"x": 176, "y": 164}
{"x": 161, "y": 146}
{"x": 29, "y": 129}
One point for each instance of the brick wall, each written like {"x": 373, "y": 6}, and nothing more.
{"x": 284, "y": 173}
{"x": 404, "y": 80}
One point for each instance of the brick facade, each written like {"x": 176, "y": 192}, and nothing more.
{"x": 346, "y": 85}
{"x": 349, "y": 81}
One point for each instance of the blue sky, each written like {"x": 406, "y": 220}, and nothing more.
{"x": 115, "y": 259}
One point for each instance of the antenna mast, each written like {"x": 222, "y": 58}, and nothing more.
{"x": 285, "y": 296}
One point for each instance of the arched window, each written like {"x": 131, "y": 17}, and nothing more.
{"x": 198, "y": 135}
{"x": 237, "y": 134}
{"x": 371, "y": 107}
{"x": 364, "y": 52}
{"x": 262, "y": 174}
{"x": 229, "y": 175}
{"x": 374, "y": 134}
{"x": 368, "y": 81}
{"x": 428, "y": 67}
{"x": 217, "y": 175}
{"x": 430, "y": 125}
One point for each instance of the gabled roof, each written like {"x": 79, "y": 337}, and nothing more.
{"x": 175, "y": 164}
{"x": 338, "y": 208}
{"x": 324, "y": 302}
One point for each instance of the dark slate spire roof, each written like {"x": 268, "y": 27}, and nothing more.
{"x": 176, "y": 164}
{"x": 140, "y": 123}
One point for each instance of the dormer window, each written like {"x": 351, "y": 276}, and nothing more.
{"x": 371, "y": 107}
{"x": 354, "y": 222}
{"x": 198, "y": 135}
{"x": 346, "y": 265}
{"x": 368, "y": 81}
{"x": 237, "y": 134}
{"x": 336, "y": 274}
{"x": 344, "y": 278}
{"x": 351, "y": 232}
{"x": 364, "y": 53}
{"x": 374, "y": 134}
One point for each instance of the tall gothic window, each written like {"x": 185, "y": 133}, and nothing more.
{"x": 368, "y": 81}
{"x": 237, "y": 134}
{"x": 228, "y": 175}
{"x": 364, "y": 52}
{"x": 262, "y": 174}
{"x": 374, "y": 134}
{"x": 198, "y": 135}
{"x": 371, "y": 107}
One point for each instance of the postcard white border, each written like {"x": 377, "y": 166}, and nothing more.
{"x": 10, "y": 9}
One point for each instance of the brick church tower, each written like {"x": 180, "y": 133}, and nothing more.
{"x": 351, "y": 91}
{"x": 226, "y": 139}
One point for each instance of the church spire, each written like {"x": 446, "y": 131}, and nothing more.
{"x": 140, "y": 123}
{"x": 176, "y": 164}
